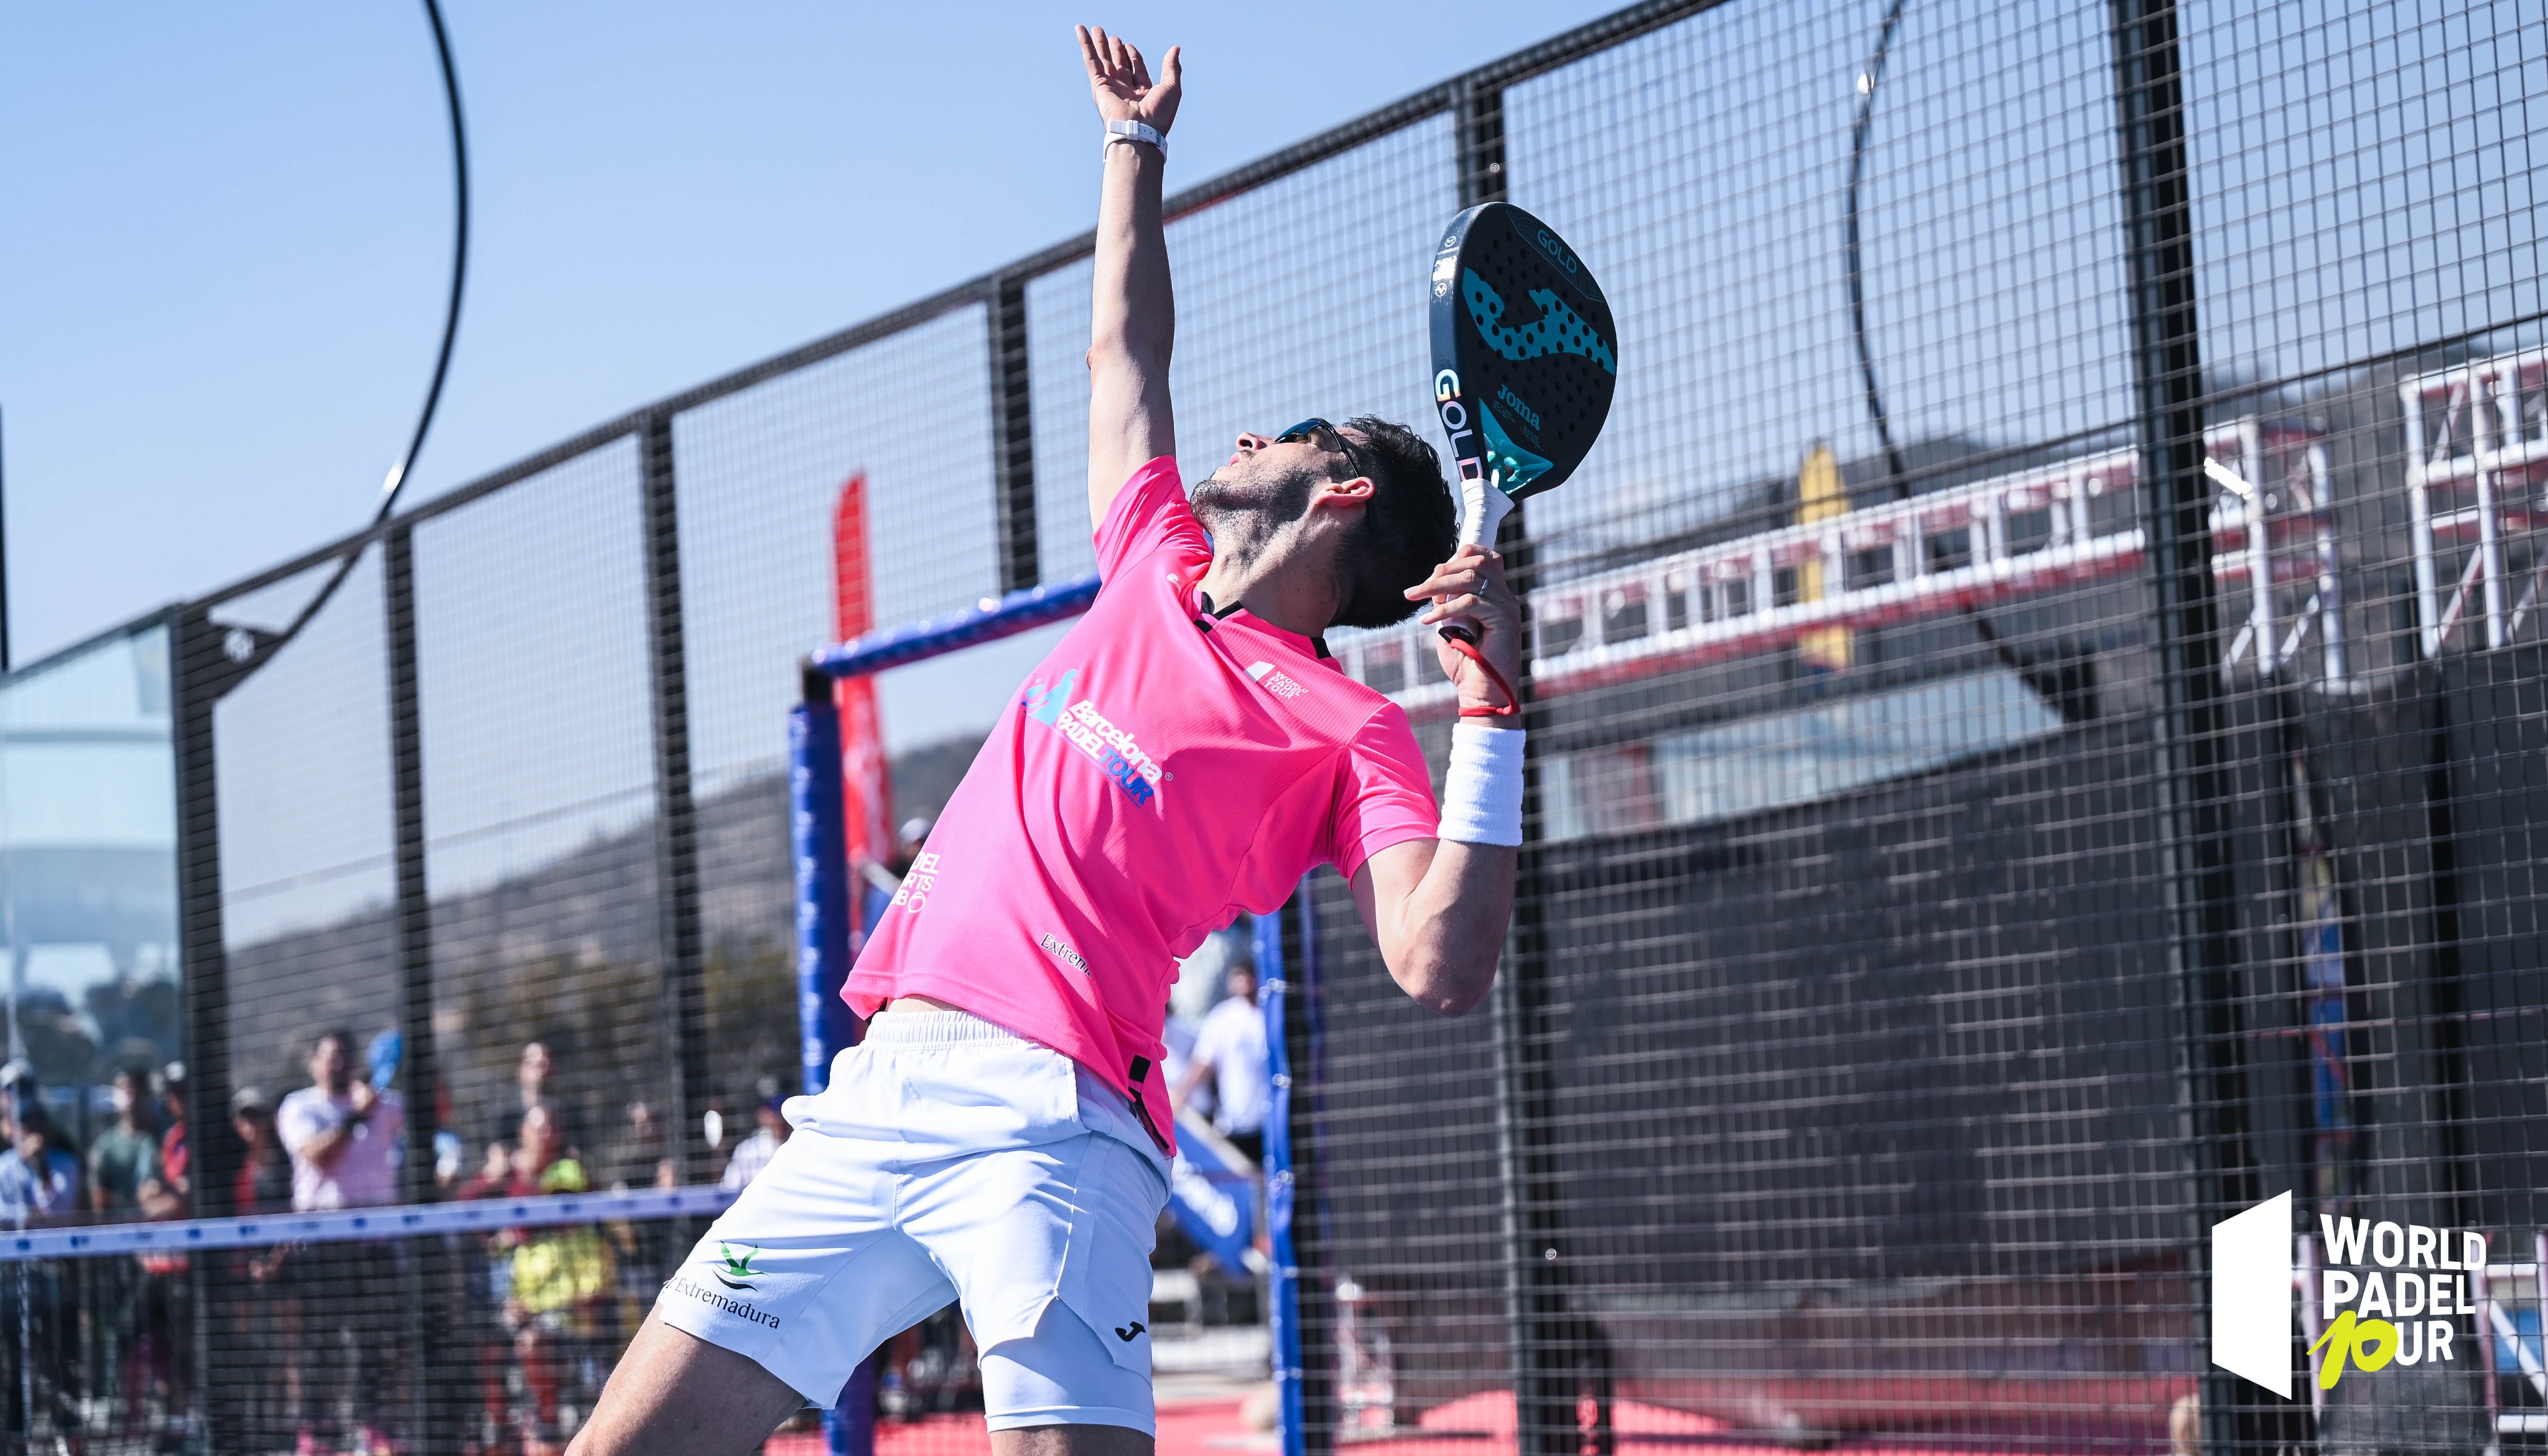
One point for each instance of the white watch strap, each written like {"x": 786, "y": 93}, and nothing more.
{"x": 1137, "y": 132}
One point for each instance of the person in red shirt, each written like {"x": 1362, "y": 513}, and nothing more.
{"x": 1188, "y": 752}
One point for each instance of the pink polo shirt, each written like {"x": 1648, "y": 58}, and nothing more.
{"x": 1162, "y": 771}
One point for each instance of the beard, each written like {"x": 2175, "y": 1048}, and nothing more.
{"x": 1250, "y": 504}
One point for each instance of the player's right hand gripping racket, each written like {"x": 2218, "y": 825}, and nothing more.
{"x": 1524, "y": 361}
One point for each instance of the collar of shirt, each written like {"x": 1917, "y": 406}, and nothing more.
{"x": 1313, "y": 648}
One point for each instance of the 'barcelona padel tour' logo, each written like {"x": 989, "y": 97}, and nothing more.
{"x": 1134, "y": 772}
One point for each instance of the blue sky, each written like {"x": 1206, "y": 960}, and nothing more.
{"x": 223, "y": 274}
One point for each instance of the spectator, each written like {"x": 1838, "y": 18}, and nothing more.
{"x": 159, "y": 1344}
{"x": 344, "y": 1140}
{"x": 562, "y": 1277}
{"x": 637, "y": 1157}
{"x": 341, "y": 1134}
{"x": 170, "y": 1189}
{"x": 752, "y": 1153}
{"x": 1177, "y": 1040}
{"x": 532, "y": 1089}
{"x": 486, "y": 1274}
{"x": 264, "y": 1183}
{"x": 259, "y": 1322}
{"x": 39, "y": 1184}
{"x": 1230, "y": 1049}
{"x": 126, "y": 1154}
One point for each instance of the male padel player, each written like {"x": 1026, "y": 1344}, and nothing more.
{"x": 1188, "y": 752}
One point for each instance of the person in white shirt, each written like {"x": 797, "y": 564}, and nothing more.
{"x": 753, "y": 1154}
{"x": 343, "y": 1137}
{"x": 1230, "y": 1049}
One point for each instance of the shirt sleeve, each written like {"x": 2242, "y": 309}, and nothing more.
{"x": 1149, "y": 514}
{"x": 296, "y": 1122}
{"x": 1384, "y": 792}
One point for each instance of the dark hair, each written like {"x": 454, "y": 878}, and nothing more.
{"x": 1409, "y": 528}
{"x": 344, "y": 1038}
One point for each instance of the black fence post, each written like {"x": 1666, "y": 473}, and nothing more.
{"x": 2193, "y": 726}
{"x": 1012, "y": 435}
{"x": 1557, "y": 1356}
{"x": 200, "y": 670}
{"x": 677, "y": 863}
{"x": 432, "y": 1400}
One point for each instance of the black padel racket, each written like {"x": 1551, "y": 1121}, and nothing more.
{"x": 1524, "y": 361}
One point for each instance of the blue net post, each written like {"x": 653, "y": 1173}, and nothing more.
{"x": 824, "y": 1023}
{"x": 1283, "y": 1315}
{"x": 823, "y": 897}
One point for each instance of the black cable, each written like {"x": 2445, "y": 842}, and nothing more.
{"x": 1868, "y": 81}
{"x": 2047, "y": 685}
{"x": 268, "y": 644}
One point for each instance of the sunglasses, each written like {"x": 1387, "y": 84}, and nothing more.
{"x": 1319, "y": 434}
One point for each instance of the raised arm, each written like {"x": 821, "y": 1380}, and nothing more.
{"x": 1132, "y": 323}
{"x": 1439, "y": 907}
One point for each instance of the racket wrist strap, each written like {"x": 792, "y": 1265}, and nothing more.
{"x": 1130, "y": 131}
{"x": 1482, "y": 791}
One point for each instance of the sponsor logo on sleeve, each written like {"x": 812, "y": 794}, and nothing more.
{"x": 1275, "y": 680}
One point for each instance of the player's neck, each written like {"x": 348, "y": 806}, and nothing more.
{"x": 1275, "y": 581}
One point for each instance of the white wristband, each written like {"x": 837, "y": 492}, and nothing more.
{"x": 1129, "y": 131}
{"x": 1482, "y": 795}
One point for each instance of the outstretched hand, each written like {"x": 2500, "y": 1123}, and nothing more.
{"x": 1119, "y": 80}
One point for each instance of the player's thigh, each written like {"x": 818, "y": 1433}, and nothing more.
{"x": 1071, "y": 1440}
{"x": 678, "y": 1395}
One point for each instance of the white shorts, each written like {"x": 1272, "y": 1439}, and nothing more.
{"x": 949, "y": 1160}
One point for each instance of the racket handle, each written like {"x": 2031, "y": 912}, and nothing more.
{"x": 1483, "y": 508}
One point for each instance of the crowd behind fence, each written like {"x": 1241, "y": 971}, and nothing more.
{"x": 2038, "y": 706}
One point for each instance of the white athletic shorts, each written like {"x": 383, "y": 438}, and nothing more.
{"x": 949, "y": 1160}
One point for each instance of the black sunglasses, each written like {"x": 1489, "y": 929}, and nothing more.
{"x": 1310, "y": 431}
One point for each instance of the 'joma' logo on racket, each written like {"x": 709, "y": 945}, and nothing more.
{"x": 737, "y": 1272}
{"x": 1557, "y": 329}
{"x": 1513, "y": 402}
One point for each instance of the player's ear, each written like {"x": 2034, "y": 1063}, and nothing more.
{"x": 1357, "y": 491}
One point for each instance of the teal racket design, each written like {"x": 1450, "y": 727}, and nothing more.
{"x": 1526, "y": 359}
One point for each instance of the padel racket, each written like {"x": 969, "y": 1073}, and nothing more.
{"x": 1524, "y": 362}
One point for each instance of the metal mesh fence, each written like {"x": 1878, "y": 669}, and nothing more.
{"x": 2036, "y": 725}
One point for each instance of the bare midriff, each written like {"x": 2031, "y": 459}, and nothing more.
{"x": 914, "y": 1003}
